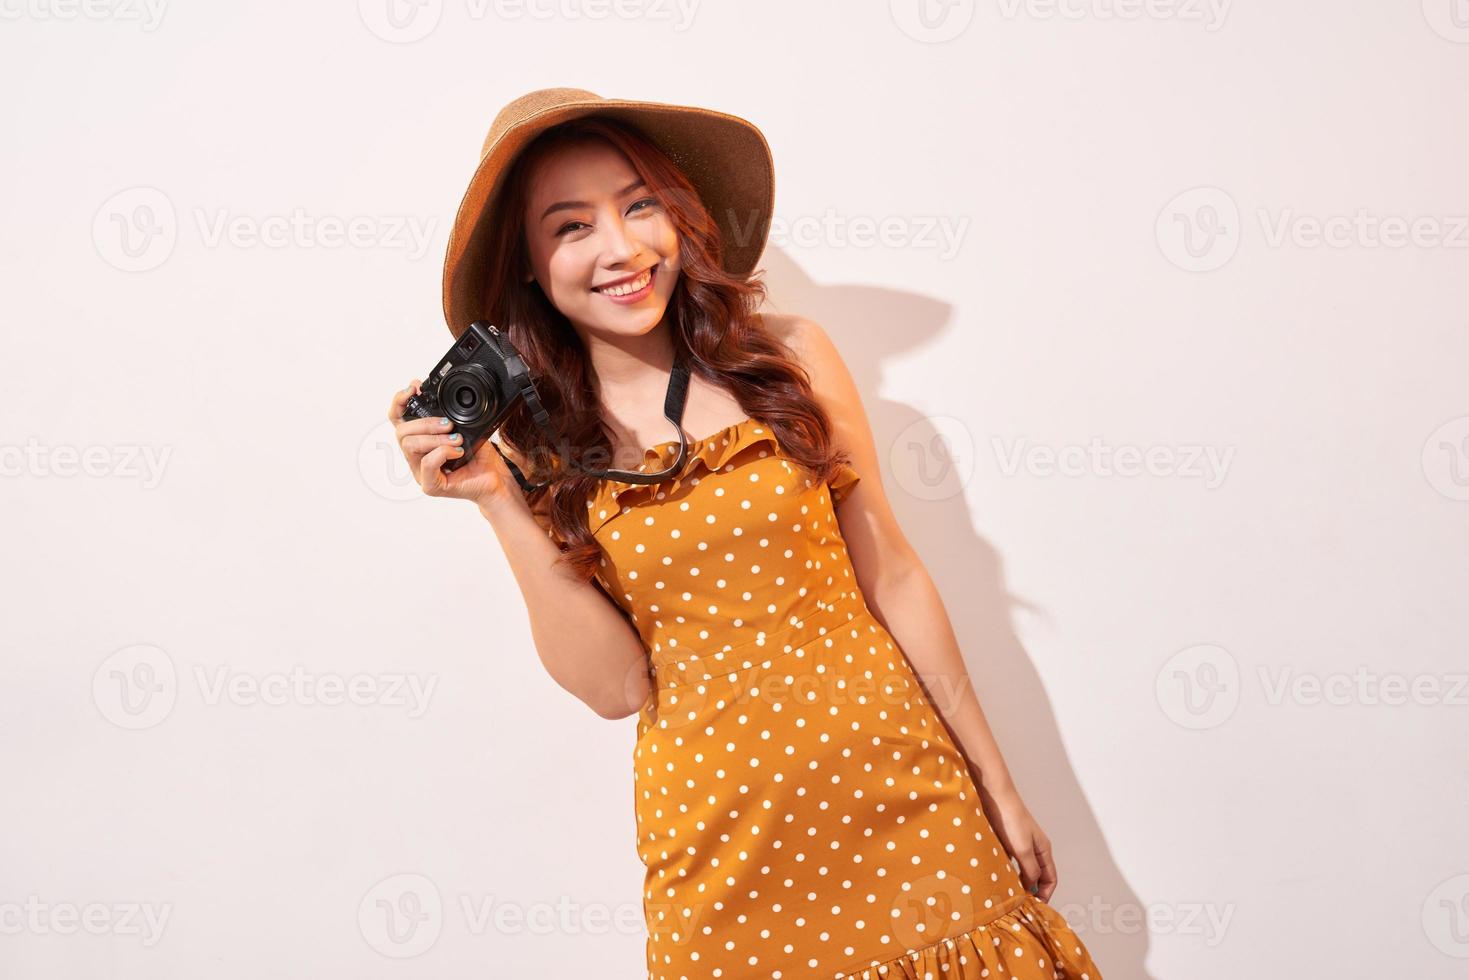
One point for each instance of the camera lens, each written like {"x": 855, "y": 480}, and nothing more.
{"x": 468, "y": 394}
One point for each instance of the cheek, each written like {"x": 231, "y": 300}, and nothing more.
{"x": 666, "y": 241}
{"x": 568, "y": 274}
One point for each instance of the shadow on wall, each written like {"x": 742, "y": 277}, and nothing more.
{"x": 860, "y": 319}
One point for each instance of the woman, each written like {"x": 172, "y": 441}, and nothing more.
{"x": 803, "y": 805}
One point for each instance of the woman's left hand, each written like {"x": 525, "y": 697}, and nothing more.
{"x": 1024, "y": 839}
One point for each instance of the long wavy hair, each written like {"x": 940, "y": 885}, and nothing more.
{"x": 715, "y": 329}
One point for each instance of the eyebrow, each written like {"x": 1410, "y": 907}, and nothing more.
{"x": 567, "y": 205}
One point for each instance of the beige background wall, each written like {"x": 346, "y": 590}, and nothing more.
{"x": 1159, "y": 309}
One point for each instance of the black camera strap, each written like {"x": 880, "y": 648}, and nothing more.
{"x": 673, "y": 406}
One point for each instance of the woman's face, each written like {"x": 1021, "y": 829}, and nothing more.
{"x": 590, "y": 224}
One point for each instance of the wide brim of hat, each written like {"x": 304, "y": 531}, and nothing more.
{"x": 726, "y": 158}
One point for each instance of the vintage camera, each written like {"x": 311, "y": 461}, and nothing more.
{"x": 475, "y": 386}
{"x": 481, "y": 380}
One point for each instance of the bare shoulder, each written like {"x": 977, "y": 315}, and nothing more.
{"x": 805, "y": 338}
{"x": 832, "y": 383}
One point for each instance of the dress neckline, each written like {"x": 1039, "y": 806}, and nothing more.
{"x": 694, "y": 443}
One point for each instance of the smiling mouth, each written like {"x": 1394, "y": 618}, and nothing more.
{"x": 628, "y": 286}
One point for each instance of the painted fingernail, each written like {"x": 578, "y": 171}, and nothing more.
{"x": 456, "y": 450}
{"x": 456, "y": 437}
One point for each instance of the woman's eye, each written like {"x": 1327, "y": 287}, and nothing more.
{"x": 651, "y": 201}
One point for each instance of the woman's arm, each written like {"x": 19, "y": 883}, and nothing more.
{"x": 896, "y": 584}
{"x": 585, "y": 643}
{"x": 903, "y": 598}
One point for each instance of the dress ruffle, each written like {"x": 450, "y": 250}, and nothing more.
{"x": 705, "y": 455}
{"x": 842, "y": 482}
{"x": 1030, "y": 942}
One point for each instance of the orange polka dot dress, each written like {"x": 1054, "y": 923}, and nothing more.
{"x": 801, "y": 811}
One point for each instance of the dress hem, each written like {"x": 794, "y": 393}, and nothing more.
{"x": 1031, "y": 929}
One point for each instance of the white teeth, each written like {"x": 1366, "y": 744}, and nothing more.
{"x": 629, "y": 287}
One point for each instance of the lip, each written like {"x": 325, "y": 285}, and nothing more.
{"x": 630, "y": 297}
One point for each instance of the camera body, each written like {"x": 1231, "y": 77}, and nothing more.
{"x": 475, "y": 386}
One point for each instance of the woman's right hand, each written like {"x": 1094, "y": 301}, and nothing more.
{"x": 428, "y": 443}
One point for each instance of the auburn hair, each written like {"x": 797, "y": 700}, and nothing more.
{"x": 715, "y": 328}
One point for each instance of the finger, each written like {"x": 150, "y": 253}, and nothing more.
{"x": 1030, "y": 869}
{"x": 434, "y": 423}
{"x": 400, "y": 399}
{"x": 1048, "y": 876}
{"x": 431, "y": 475}
{"x": 424, "y": 444}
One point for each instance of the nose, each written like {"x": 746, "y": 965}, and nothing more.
{"x": 620, "y": 247}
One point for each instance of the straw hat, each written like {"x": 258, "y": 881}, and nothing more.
{"x": 725, "y": 157}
